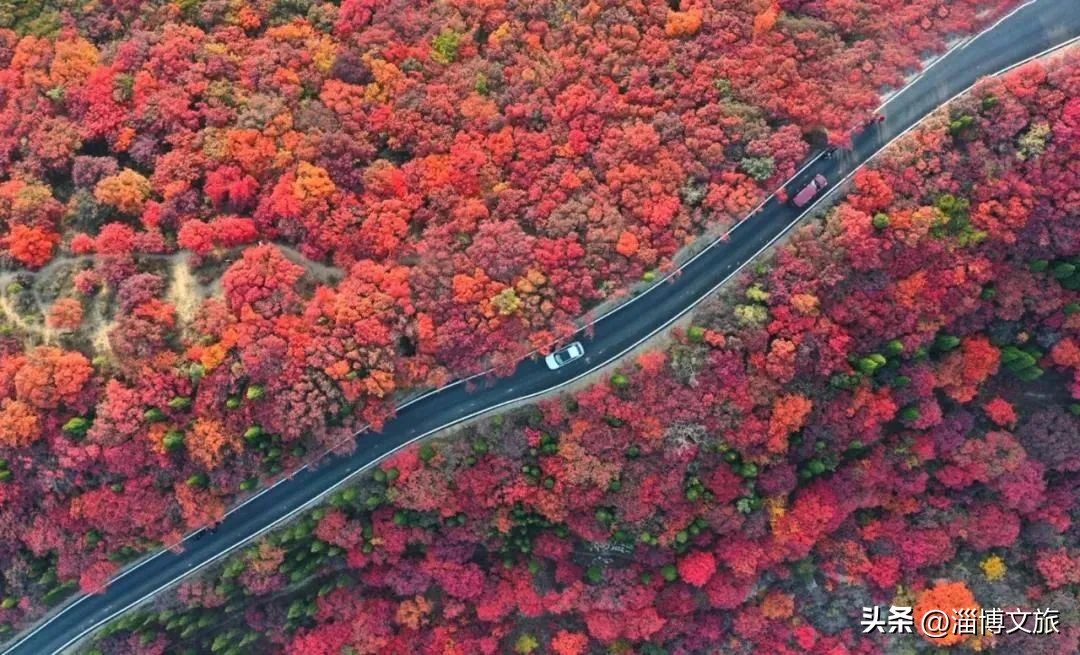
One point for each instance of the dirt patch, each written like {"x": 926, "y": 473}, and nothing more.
{"x": 97, "y": 328}
{"x": 184, "y": 293}
{"x": 100, "y": 339}
{"x": 323, "y": 273}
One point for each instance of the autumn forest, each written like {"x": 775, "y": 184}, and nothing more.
{"x": 234, "y": 233}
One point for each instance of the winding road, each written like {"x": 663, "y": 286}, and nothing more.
{"x": 1034, "y": 28}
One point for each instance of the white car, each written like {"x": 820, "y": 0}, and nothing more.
{"x": 564, "y": 356}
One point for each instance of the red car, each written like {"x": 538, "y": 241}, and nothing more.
{"x": 809, "y": 191}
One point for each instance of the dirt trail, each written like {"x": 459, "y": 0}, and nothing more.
{"x": 99, "y": 337}
{"x": 184, "y": 292}
{"x": 321, "y": 272}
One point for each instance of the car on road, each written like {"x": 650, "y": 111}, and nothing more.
{"x": 564, "y": 356}
{"x": 809, "y": 191}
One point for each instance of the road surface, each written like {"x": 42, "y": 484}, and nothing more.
{"x": 1032, "y": 29}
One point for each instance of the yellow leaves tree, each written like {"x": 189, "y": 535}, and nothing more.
{"x": 73, "y": 61}
{"x": 127, "y": 191}
{"x": 994, "y": 567}
{"x": 506, "y": 301}
{"x": 312, "y": 182}
{"x": 806, "y": 303}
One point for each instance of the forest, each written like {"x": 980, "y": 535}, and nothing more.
{"x": 234, "y": 233}
{"x": 884, "y": 412}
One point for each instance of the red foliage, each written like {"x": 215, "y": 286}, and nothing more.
{"x": 1000, "y": 411}
{"x": 31, "y": 246}
{"x": 569, "y": 643}
{"x": 95, "y": 577}
{"x": 65, "y": 314}
{"x": 697, "y": 568}
{"x": 1059, "y": 567}
{"x": 392, "y": 195}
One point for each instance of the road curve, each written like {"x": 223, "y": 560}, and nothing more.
{"x": 1034, "y": 28}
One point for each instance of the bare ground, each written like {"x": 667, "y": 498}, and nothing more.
{"x": 185, "y": 292}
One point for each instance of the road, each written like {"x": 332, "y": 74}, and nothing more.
{"x": 1035, "y": 27}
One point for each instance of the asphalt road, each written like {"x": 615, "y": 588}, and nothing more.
{"x": 1032, "y": 29}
